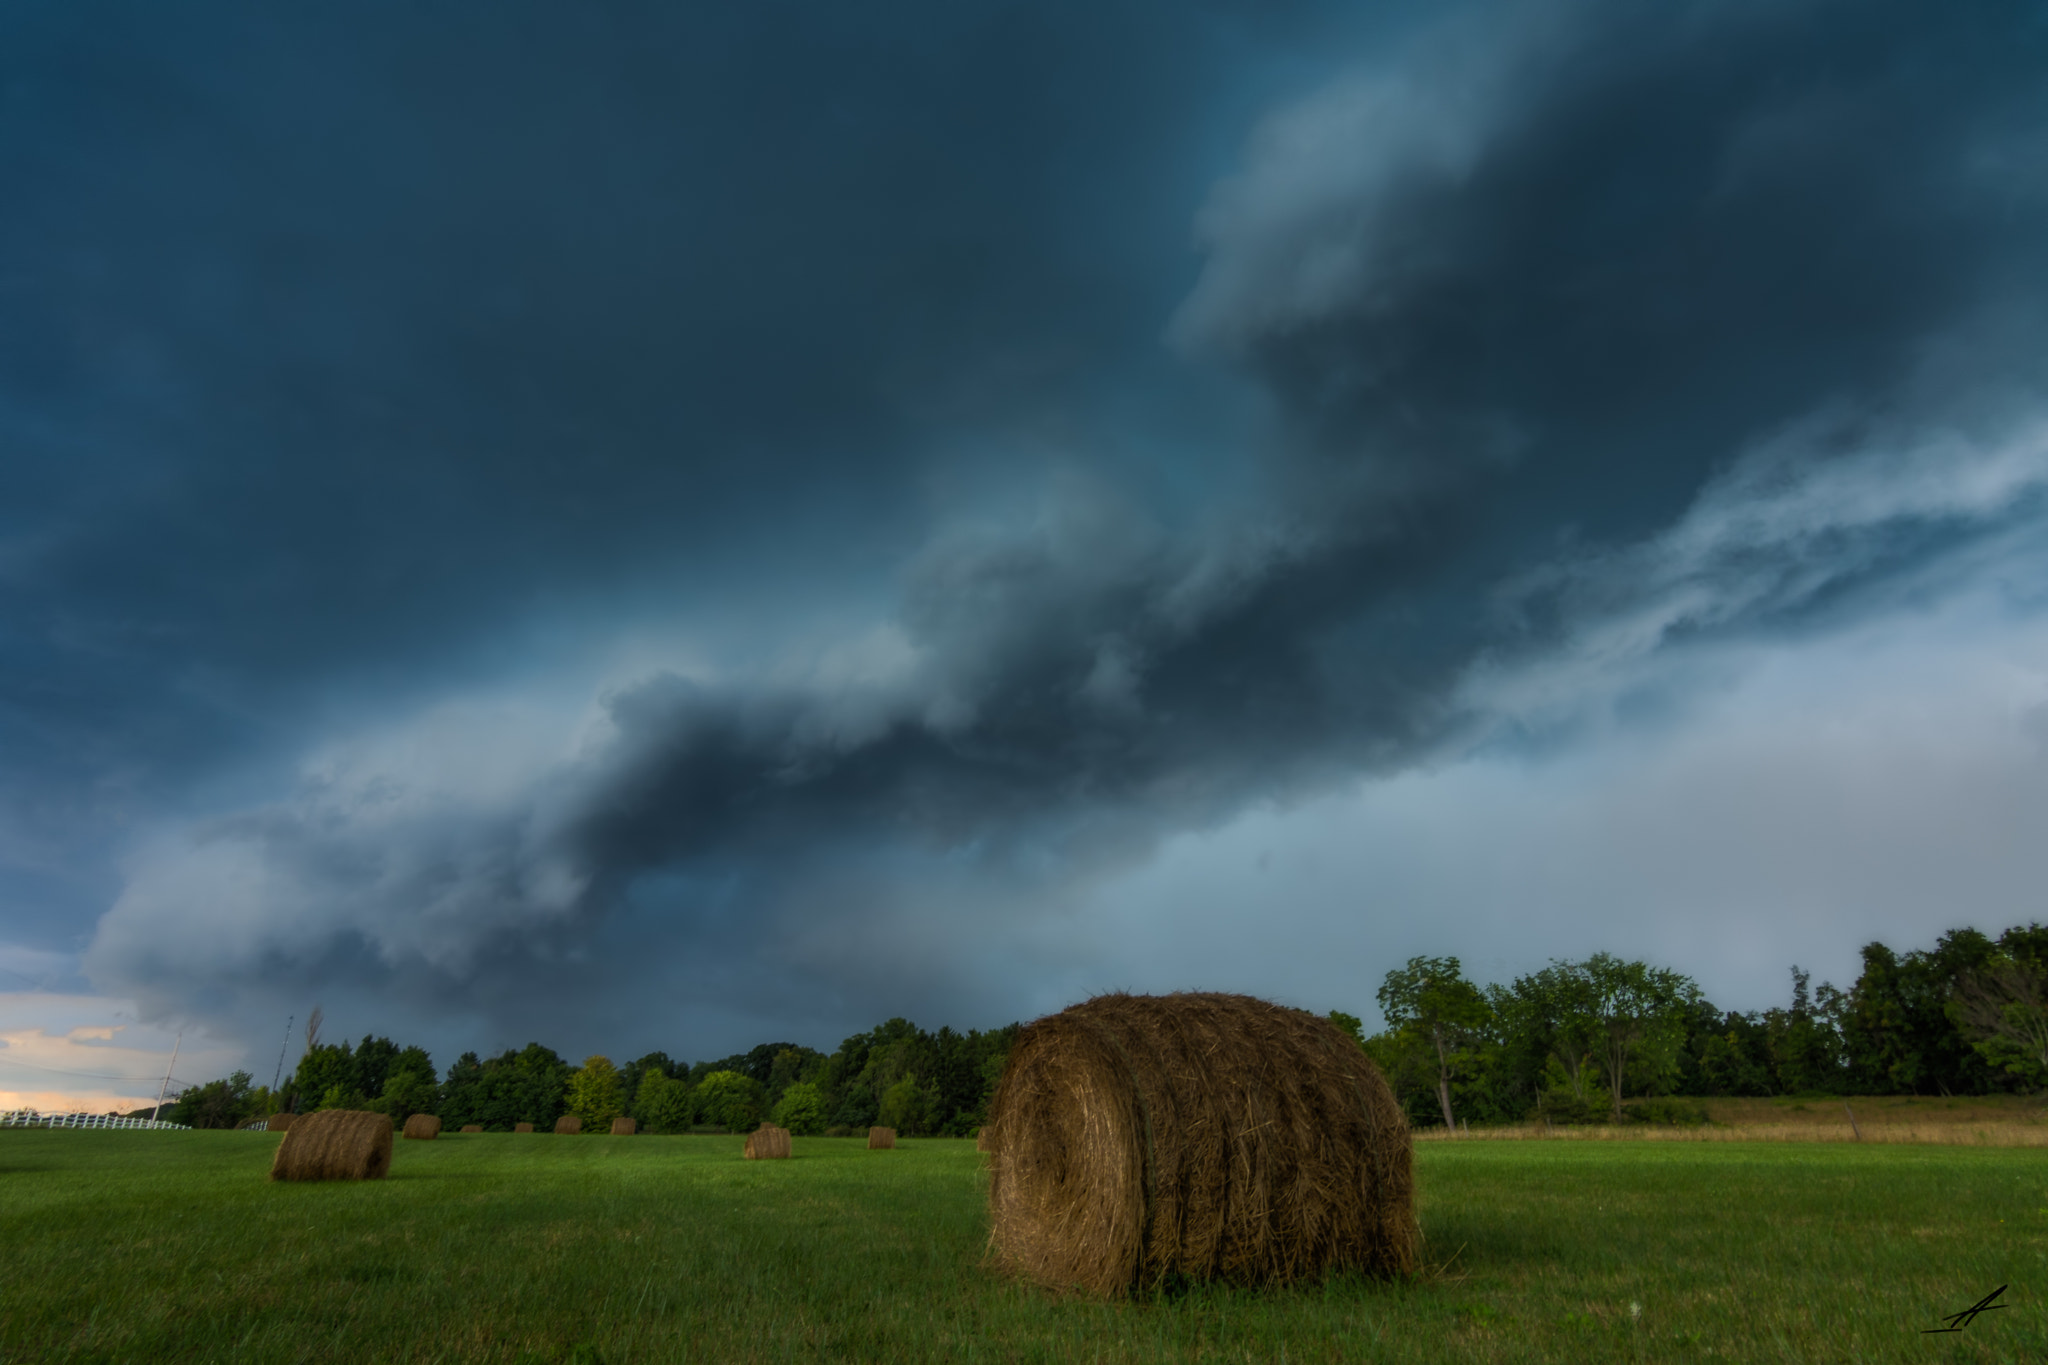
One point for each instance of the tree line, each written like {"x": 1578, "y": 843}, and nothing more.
{"x": 1606, "y": 1040}
{"x": 897, "y": 1075}
{"x": 1599, "y": 1040}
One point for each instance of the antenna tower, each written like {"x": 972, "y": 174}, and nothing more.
{"x": 279, "y": 1074}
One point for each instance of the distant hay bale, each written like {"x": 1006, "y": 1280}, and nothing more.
{"x": 522, "y": 1127}
{"x": 984, "y": 1139}
{"x": 767, "y": 1143}
{"x": 279, "y": 1123}
{"x": 1150, "y": 1139}
{"x": 472, "y": 1127}
{"x": 623, "y": 1127}
{"x": 568, "y": 1126}
{"x": 335, "y": 1144}
{"x": 423, "y": 1127}
{"x": 879, "y": 1138}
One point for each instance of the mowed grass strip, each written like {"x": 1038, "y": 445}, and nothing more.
{"x": 123, "y": 1246}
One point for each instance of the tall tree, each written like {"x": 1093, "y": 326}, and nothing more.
{"x": 635, "y": 1073}
{"x": 663, "y": 1104}
{"x": 1431, "y": 1001}
{"x": 522, "y": 1086}
{"x": 375, "y": 1058}
{"x": 2002, "y": 1006}
{"x": 217, "y": 1104}
{"x": 1637, "y": 1013}
{"x": 1789, "y": 1051}
{"x": 326, "y": 1078}
{"x": 730, "y": 1099}
{"x": 594, "y": 1094}
{"x": 1896, "y": 1022}
{"x": 1547, "y": 1030}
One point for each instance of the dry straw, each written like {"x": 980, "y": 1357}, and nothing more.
{"x": 623, "y": 1127}
{"x": 472, "y": 1127}
{"x": 424, "y": 1127}
{"x": 279, "y": 1123}
{"x": 335, "y": 1144}
{"x": 984, "y": 1139}
{"x": 1146, "y": 1140}
{"x": 880, "y": 1138}
{"x": 568, "y": 1125}
{"x": 767, "y": 1143}
{"x": 522, "y": 1127}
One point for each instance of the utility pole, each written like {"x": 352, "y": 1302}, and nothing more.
{"x": 279, "y": 1074}
{"x": 167, "y": 1077}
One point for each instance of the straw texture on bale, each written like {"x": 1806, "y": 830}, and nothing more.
{"x": 472, "y": 1127}
{"x": 879, "y": 1138}
{"x": 279, "y": 1123}
{"x": 623, "y": 1127}
{"x": 984, "y": 1139}
{"x": 767, "y": 1143}
{"x": 335, "y": 1144}
{"x": 423, "y": 1126}
{"x": 568, "y": 1125}
{"x": 522, "y": 1127}
{"x": 1144, "y": 1140}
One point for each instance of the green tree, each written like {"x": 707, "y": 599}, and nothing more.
{"x": 1804, "y": 1043}
{"x": 1351, "y": 1024}
{"x": 217, "y": 1104}
{"x": 801, "y": 1109}
{"x": 523, "y": 1086}
{"x": 1898, "y": 1029}
{"x": 663, "y": 1104}
{"x": 2002, "y": 1005}
{"x": 340, "y": 1095}
{"x": 635, "y": 1072}
{"x": 594, "y": 1094}
{"x": 325, "y": 1067}
{"x": 1546, "y": 1027}
{"x": 1733, "y": 1060}
{"x": 731, "y": 1100}
{"x": 408, "y": 1091}
{"x": 909, "y": 1107}
{"x": 1429, "y": 1002}
{"x": 1636, "y": 1017}
{"x": 374, "y": 1060}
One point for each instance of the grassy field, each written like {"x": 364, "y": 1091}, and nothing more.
{"x": 1979, "y": 1120}
{"x": 171, "y": 1246}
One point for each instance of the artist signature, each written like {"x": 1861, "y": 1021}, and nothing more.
{"x": 1958, "y": 1321}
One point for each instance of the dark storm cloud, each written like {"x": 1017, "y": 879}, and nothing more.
{"x": 341, "y": 351}
{"x": 1585, "y": 328}
{"x": 1590, "y": 271}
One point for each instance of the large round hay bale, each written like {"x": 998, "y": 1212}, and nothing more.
{"x": 767, "y": 1143}
{"x": 423, "y": 1127}
{"x": 880, "y": 1138}
{"x": 1147, "y": 1139}
{"x": 623, "y": 1127}
{"x": 522, "y": 1127}
{"x": 568, "y": 1125}
{"x": 472, "y": 1127}
{"x": 335, "y": 1144}
{"x": 279, "y": 1123}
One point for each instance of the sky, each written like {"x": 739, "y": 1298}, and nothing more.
{"x": 654, "y": 526}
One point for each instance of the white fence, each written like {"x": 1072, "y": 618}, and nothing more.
{"x": 29, "y": 1118}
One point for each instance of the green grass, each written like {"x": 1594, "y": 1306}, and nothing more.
{"x": 163, "y": 1246}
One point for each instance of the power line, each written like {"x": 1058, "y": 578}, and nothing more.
{"x": 60, "y": 1071}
